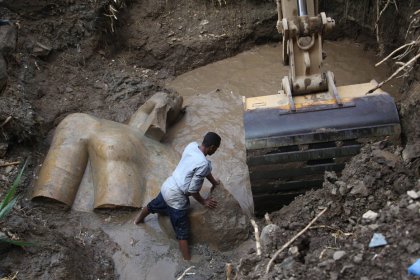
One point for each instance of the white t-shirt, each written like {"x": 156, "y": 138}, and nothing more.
{"x": 188, "y": 177}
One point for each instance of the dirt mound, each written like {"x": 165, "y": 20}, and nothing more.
{"x": 80, "y": 253}
{"x": 336, "y": 247}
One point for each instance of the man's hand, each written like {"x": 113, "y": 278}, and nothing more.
{"x": 210, "y": 203}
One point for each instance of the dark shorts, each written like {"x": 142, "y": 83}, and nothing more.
{"x": 179, "y": 218}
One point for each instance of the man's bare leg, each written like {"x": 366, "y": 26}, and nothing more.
{"x": 143, "y": 214}
{"x": 183, "y": 246}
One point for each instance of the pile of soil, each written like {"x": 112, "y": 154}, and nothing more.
{"x": 73, "y": 252}
{"x": 336, "y": 246}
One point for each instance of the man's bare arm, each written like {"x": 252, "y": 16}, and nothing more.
{"x": 212, "y": 180}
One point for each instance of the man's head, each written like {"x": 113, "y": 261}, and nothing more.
{"x": 211, "y": 142}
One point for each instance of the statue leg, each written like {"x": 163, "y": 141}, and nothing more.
{"x": 63, "y": 168}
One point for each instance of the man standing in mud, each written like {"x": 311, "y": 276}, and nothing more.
{"x": 186, "y": 180}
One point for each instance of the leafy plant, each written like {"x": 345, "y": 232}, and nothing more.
{"x": 7, "y": 205}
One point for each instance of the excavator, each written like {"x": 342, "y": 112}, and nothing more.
{"x": 311, "y": 125}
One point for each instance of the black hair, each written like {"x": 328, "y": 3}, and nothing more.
{"x": 210, "y": 139}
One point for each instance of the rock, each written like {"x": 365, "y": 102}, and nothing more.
{"x": 222, "y": 228}
{"x": 3, "y": 73}
{"x": 294, "y": 251}
{"x": 385, "y": 157}
{"x": 370, "y": 216}
{"x": 342, "y": 187}
{"x": 268, "y": 236}
{"x": 413, "y": 206}
{"x": 41, "y": 50}
{"x": 412, "y": 194}
{"x": 358, "y": 258}
{"x": 411, "y": 152}
{"x": 359, "y": 188}
{"x": 340, "y": 183}
{"x": 288, "y": 263}
{"x": 330, "y": 176}
{"x": 8, "y": 37}
{"x": 338, "y": 255}
{"x": 8, "y": 169}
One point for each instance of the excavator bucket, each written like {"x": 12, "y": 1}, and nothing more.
{"x": 289, "y": 149}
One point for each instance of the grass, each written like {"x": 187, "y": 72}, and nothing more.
{"x": 7, "y": 205}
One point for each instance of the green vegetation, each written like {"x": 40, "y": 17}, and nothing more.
{"x": 7, "y": 205}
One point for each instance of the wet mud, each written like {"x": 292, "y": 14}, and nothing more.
{"x": 259, "y": 71}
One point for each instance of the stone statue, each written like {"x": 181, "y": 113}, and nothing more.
{"x": 125, "y": 160}
{"x": 95, "y": 163}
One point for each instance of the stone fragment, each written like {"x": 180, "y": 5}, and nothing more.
{"x": 358, "y": 258}
{"x": 413, "y": 206}
{"x": 41, "y": 50}
{"x": 385, "y": 157}
{"x": 373, "y": 226}
{"x": 411, "y": 152}
{"x": 222, "y": 228}
{"x": 343, "y": 190}
{"x": 294, "y": 251}
{"x": 412, "y": 194}
{"x": 370, "y": 216}
{"x": 330, "y": 176}
{"x": 268, "y": 236}
{"x": 338, "y": 255}
{"x": 359, "y": 189}
{"x": 288, "y": 263}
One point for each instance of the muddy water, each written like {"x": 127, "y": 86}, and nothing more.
{"x": 259, "y": 71}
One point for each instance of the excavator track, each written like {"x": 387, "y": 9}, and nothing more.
{"x": 289, "y": 152}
